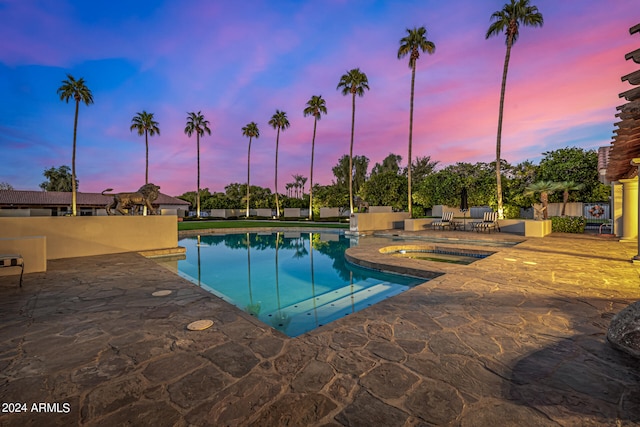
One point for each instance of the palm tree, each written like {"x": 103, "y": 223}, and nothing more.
{"x": 544, "y": 188}
{"x": 250, "y": 130}
{"x": 198, "y": 125}
{"x": 145, "y": 125}
{"x": 76, "y": 89}
{"x": 278, "y": 121}
{"x": 509, "y": 19}
{"x": 414, "y": 42}
{"x": 316, "y": 107}
{"x": 354, "y": 82}
{"x": 565, "y": 187}
{"x": 298, "y": 184}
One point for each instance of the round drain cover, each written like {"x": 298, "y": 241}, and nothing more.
{"x": 199, "y": 325}
{"x": 161, "y": 293}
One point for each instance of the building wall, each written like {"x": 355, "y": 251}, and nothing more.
{"x": 68, "y": 237}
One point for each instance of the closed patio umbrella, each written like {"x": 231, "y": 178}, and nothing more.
{"x": 464, "y": 205}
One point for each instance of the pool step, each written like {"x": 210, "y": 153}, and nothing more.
{"x": 342, "y": 301}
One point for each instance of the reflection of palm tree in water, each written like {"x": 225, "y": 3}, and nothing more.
{"x": 280, "y": 321}
{"x": 313, "y": 281}
{"x": 253, "y": 309}
{"x": 300, "y": 249}
{"x": 353, "y": 308}
{"x": 199, "y": 269}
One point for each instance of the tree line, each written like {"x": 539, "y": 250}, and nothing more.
{"x": 385, "y": 184}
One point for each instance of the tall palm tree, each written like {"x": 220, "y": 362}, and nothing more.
{"x": 76, "y": 89}
{"x": 354, "y": 82}
{"x": 316, "y": 107}
{"x": 414, "y": 42}
{"x": 508, "y": 20}
{"x": 250, "y": 130}
{"x": 145, "y": 125}
{"x": 197, "y": 124}
{"x": 278, "y": 121}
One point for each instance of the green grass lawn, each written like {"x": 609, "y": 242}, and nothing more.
{"x": 199, "y": 225}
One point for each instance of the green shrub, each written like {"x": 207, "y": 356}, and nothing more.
{"x": 418, "y": 211}
{"x": 568, "y": 224}
{"x": 511, "y": 211}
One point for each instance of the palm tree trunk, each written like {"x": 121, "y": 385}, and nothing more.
{"x": 313, "y": 144}
{"x": 413, "y": 80}
{"x": 499, "y": 137}
{"x": 248, "y": 166}
{"x": 277, "y": 200}
{"x": 146, "y": 170}
{"x": 74, "y": 190}
{"x": 198, "y": 192}
{"x": 353, "y": 122}
{"x": 565, "y": 199}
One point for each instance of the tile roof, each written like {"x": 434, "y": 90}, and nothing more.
{"x": 62, "y": 198}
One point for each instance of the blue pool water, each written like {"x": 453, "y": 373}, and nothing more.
{"x": 291, "y": 281}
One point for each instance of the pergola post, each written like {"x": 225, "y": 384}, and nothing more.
{"x": 636, "y": 162}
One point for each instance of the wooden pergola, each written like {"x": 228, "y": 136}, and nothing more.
{"x": 626, "y": 140}
{"x": 624, "y": 157}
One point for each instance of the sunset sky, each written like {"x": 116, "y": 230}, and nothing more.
{"x": 238, "y": 62}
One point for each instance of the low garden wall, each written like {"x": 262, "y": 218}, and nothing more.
{"x": 68, "y": 237}
{"x": 363, "y": 222}
{"x": 292, "y": 213}
{"x": 329, "y": 212}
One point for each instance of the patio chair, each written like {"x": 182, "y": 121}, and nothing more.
{"x": 12, "y": 260}
{"x": 489, "y": 221}
{"x": 445, "y": 221}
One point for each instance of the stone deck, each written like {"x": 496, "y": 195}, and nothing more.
{"x": 515, "y": 339}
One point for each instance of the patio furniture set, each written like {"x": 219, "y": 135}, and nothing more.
{"x": 489, "y": 222}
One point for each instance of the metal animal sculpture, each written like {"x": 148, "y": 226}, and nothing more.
{"x": 145, "y": 196}
{"x": 361, "y": 204}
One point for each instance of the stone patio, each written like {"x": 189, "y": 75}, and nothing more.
{"x": 514, "y": 339}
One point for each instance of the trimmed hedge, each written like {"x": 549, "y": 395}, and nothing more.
{"x": 568, "y": 224}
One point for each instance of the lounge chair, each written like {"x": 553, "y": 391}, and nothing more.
{"x": 12, "y": 260}
{"x": 445, "y": 221}
{"x": 489, "y": 221}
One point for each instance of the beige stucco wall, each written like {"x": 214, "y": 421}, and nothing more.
{"x": 329, "y": 212}
{"x": 362, "y": 222}
{"x": 417, "y": 224}
{"x": 534, "y": 228}
{"x": 292, "y": 212}
{"x": 33, "y": 250}
{"x": 68, "y": 237}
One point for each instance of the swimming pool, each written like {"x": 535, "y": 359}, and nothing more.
{"x": 294, "y": 282}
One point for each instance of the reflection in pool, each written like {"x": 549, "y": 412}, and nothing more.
{"x": 291, "y": 281}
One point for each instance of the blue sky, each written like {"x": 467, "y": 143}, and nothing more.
{"x": 238, "y": 62}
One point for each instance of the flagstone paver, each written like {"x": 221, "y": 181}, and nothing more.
{"x": 518, "y": 338}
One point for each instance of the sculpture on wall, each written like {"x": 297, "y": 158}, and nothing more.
{"x": 361, "y": 204}
{"x": 145, "y": 196}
